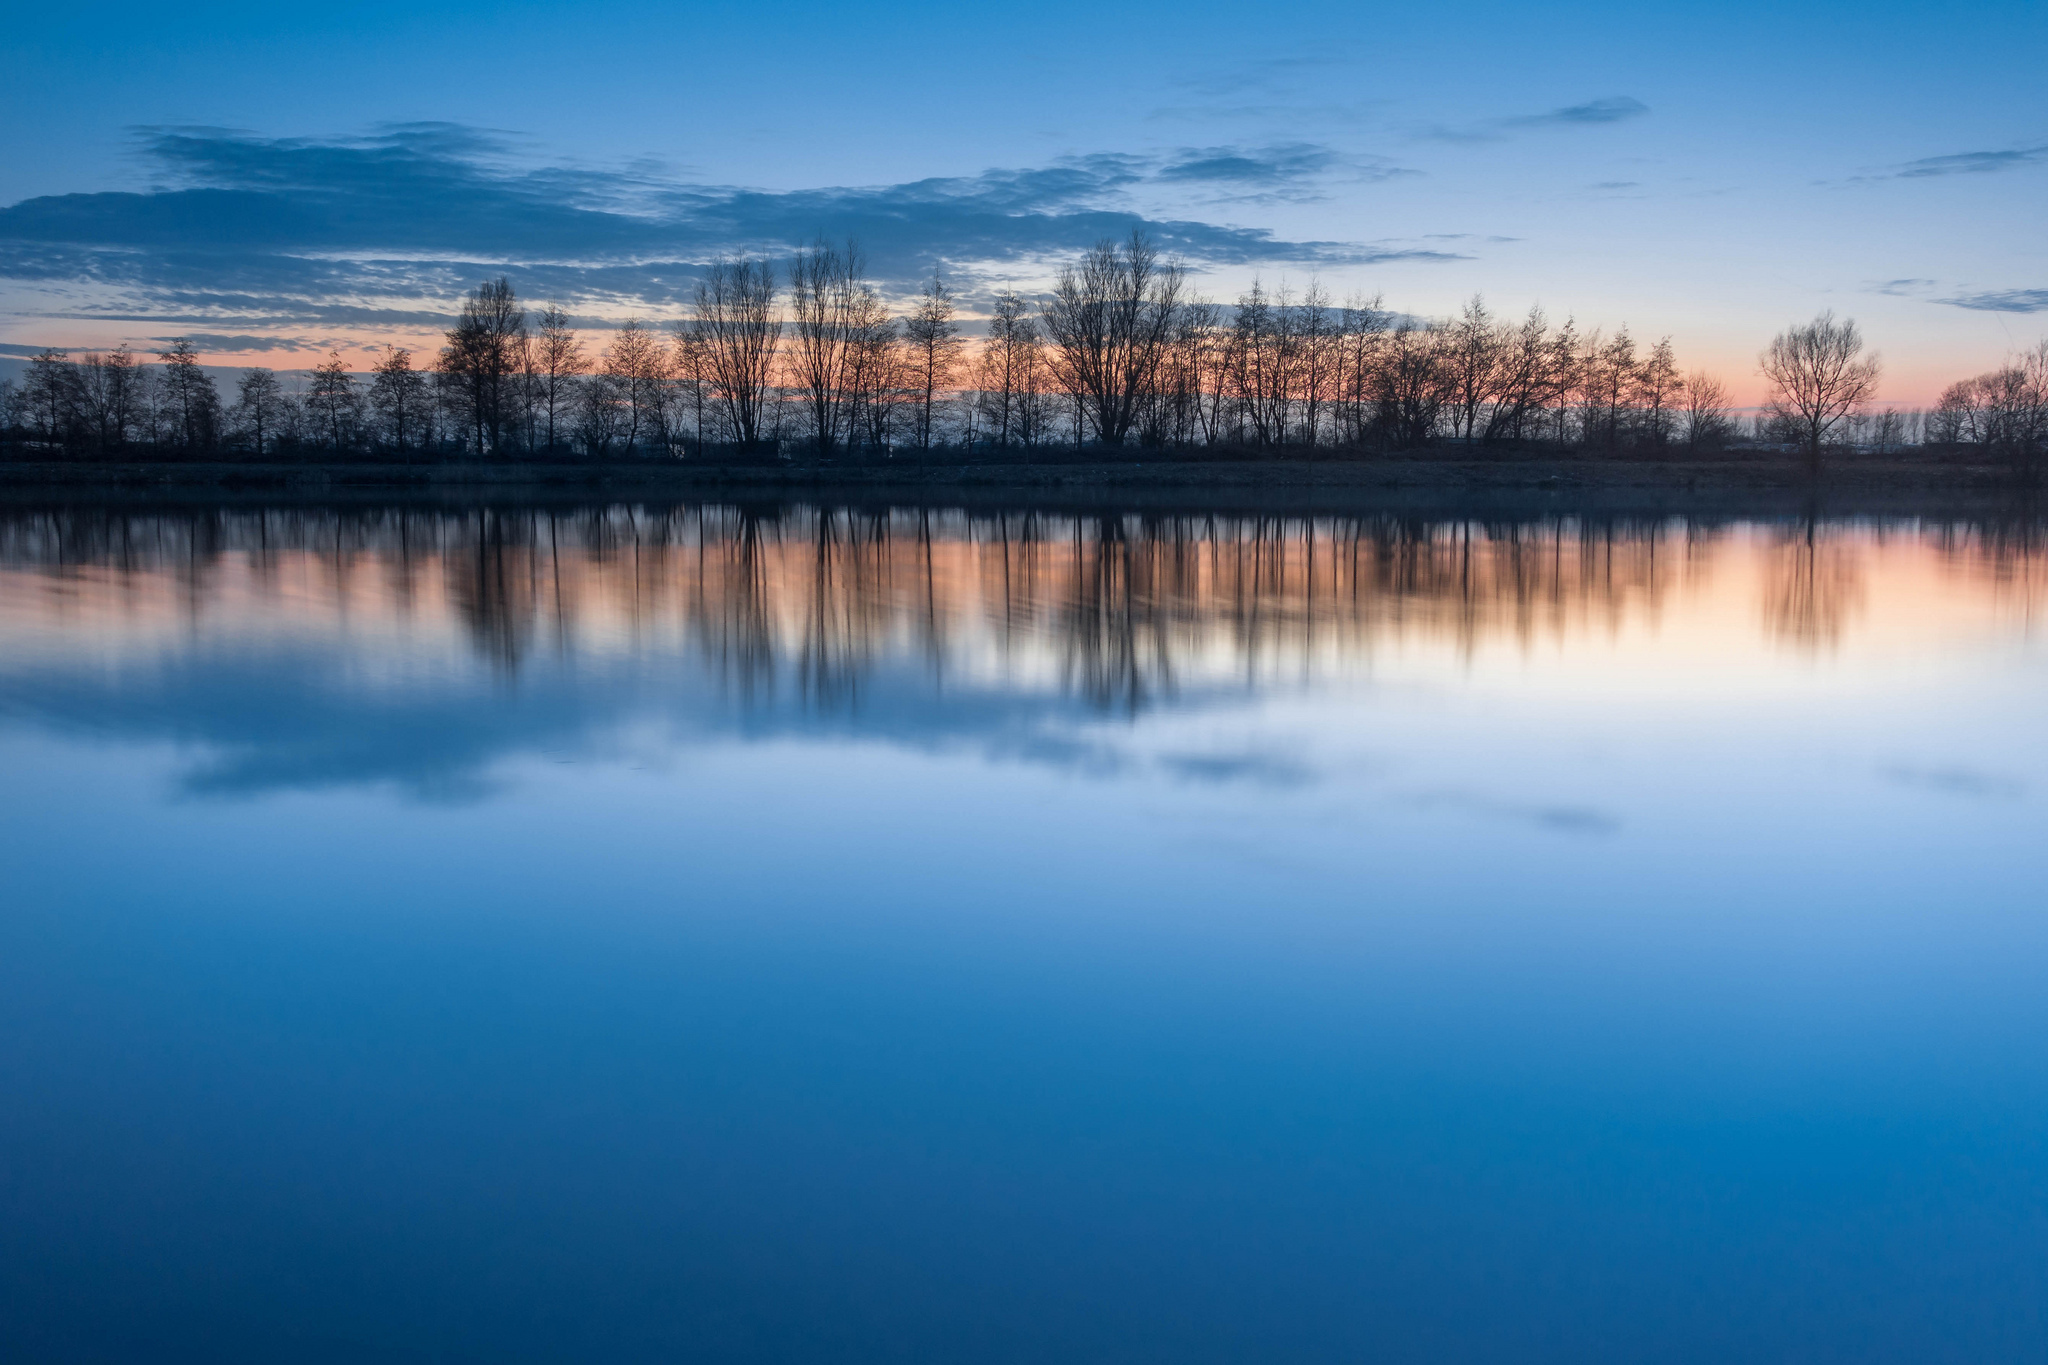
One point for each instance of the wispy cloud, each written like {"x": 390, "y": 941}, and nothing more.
{"x": 1966, "y": 163}
{"x": 2003, "y": 301}
{"x": 1287, "y": 164}
{"x": 1291, "y": 172}
{"x": 362, "y": 231}
{"x": 1266, "y": 75}
{"x": 217, "y": 342}
{"x": 1610, "y": 109}
{"x": 1594, "y": 113}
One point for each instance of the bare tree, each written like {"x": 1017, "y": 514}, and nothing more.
{"x": 825, "y": 291}
{"x": 2005, "y": 412}
{"x": 1411, "y": 386}
{"x": 1607, "y": 375}
{"x": 112, "y": 391}
{"x": 1706, "y": 411}
{"x": 482, "y": 359}
{"x": 1527, "y": 379}
{"x": 557, "y": 358}
{"x": 1818, "y": 376}
{"x": 876, "y": 371}
{"x": 332, "y": 396}
{"x": 1199, "y": 359}
{"x": 50, "y": 397}
{"x": 1003, "y": 371}
{"x": 1315, "y": 330}
{"x": 398, "y": 395}
{"x": 1657, "y": 388}
{"x": 601, "y": 413}
{"x": 1363, "y": 327}
{"x": 636, "y": 365}
{"x": 1109, "y": 323}
{"x": 934, "y": 343}
{"x": 1471, "y": 350}
{"x": 737, "y": 326}
{"x": 693, "y": 376}
{"x": 191, "y": 402}
{"x": 259, "y": 401}
{"x": 1264, "y": 355}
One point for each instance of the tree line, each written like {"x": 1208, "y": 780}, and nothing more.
{"x": 809, "y": 360}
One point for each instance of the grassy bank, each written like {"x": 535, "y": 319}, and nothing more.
{"x": 1432, "y": 471}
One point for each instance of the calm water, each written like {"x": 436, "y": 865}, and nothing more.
{"x": 812, "y": 934}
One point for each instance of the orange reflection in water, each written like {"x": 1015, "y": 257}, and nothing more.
{"x": 1121, "y": 608}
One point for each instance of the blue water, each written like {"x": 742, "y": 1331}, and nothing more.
{"x": 800, "y": 934}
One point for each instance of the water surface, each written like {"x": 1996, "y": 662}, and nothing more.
{"x": 802, "y": 933}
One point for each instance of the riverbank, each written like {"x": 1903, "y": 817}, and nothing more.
{"x": 1745, "y": 470}
{"x": 1510, "y": 487}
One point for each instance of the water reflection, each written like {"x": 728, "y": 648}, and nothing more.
{"x": 868, "y": 933}
{"x": 300, "y": 644}
{"x": 1118, "y": 608}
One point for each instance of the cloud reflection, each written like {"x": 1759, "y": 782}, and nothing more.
{"x": 431, "y": 649}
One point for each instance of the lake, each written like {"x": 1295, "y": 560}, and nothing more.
{"x": 859, "y": 933}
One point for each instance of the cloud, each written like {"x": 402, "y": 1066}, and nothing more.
{"x": 218, "y": 342}
{"x": 1616, "y": 185}
{"x": 1280, "y": 75}
{"x": 1285, "y": 164}
{"x": 1611, "y": 109}
{"x": 364, "y": 231}
{"x": 1285, "y": 172}
{"x": 2003, "y": 301}
{"x": 1967, "y": 163}
{"x": 1592, "y": 113}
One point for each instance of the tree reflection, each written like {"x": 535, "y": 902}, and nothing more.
{"x": 1121, "y": 609}
{"x": 1813, "y": 586}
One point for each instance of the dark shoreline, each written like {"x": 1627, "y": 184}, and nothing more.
{"x": 1770, "y": 485}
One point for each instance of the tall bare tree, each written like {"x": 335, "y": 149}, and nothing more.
{"x": 1201, "y": 354}
{"x": 1264, "y": 356}
{"x": 482, "y": 360}
{"x": 827, "y": 292}
{"x": 259, "y": 401}
{"x": 398, "y": 395}
{"x": 1315, "y": 331}
{"x": 190, "y": 401}
{"x": 693, "y": 377}
{"x": 1527, "y": 379}
{"x": 1109, "y": 323}
{"x": 1363, "y": 326}
{"x": 1819, "y": 376}
{"x": 876, "y": 371}
{"x": 1003, "y": 370}
{"x": 933, "y": 340}
{"x": 1706, "y": 422}
{"x": 739, "y": 329}
{"x": 557, "y": 358}
{"x": 111, "y": 389}
{"x": 333, "y": 398}
{"x": 1471, "y": 350}
{"x": 2005, "y": 412}
{"x": 637, "y": 366}
{"x": 1658, "y": 385}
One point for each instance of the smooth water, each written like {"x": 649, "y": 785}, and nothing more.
{"x": 826, "y": 934}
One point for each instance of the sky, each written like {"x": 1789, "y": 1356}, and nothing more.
{"x": 274, "y": 182}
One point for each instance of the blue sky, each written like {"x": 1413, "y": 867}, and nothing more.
{"x": 277, "y": 180}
